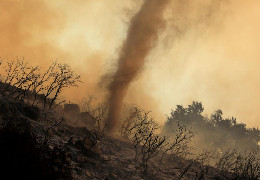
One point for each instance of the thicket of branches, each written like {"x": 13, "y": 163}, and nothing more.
{"x": 139, "y": 127}
{"x": 22, "y": 81}
{"x": 232, "y": 163}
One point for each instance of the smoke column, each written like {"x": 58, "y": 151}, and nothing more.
{"x": 141, "y": 37}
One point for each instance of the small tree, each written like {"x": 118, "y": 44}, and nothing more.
{"x": 19, "y": 78}
{"x": 141, "y": 128}
{"x": 178, "y": 141}
{"x": 61, "y": 76}
{"x": 131, "y": 119}
{"x": 41, "y": 82}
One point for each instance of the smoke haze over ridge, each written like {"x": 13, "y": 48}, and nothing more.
{"x": 214, "y": 59}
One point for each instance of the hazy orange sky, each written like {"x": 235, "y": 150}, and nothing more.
{"x": 208, "y": 52}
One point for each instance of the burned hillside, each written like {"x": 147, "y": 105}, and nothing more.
{"x": 87, "y": 87}
{"x": 43, "y": 139}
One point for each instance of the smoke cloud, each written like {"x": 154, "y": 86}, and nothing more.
{"x": 141, "y": 37}
{"x": 207, "y": 50}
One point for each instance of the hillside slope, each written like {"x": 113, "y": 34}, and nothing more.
{"x": 45, "y": 144}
